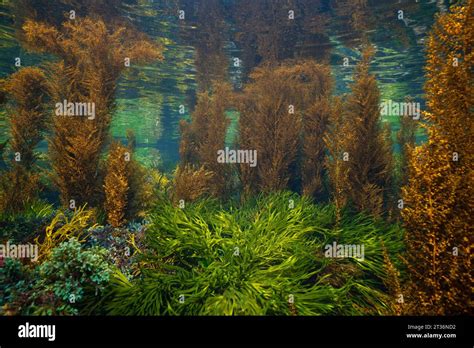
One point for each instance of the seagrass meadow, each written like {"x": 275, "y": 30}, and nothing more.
{"x": 237, "y": 157}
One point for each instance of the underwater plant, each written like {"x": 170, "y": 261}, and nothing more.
{"x": 27, "y": 89}
{"x": 26, "y": 224}
{"x": 316, "y": 102}
{"x": 204, "y": 136}
{"x": 191, "y": 184}
{"x": 73, "y": 271}
{"x": 267, "y": 126}
{"x": 15, "y": 286}
{"x": 145, "y": 187}
{"x": 64, "y": 226}
{"x": 275, "y": 113}
{"x": 282, "y": 192}
{"x": 58, "y": 286}
{"x": 92, "y": 56}
{"x": 129, "y": 188}
{"x": 368, "y": 151}
{"x": 393, "y": 284}
{"x": 116, "y": 184}
{"x": 438, "y": 199}
{"x": 123, "y": 244}
{"x": 18, "y": 189}
{"x": 264, "y": 258}
{"x": 336, "y": 147}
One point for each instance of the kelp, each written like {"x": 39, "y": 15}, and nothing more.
{"x": 283, "y": 112}
{"x": 129, "y": 188}
{"x": 367, "y": 149}
{"x": 92, "y": 56}
{"x": 27, "y": 92}
{"x": 337, "y": 169}
{"x": 116, "y": 184}
{"x": 192, "y": 183}
{"x": 439, "y": 195}
{"x": 28, "y": 112}
{"x": 205, "y": 135}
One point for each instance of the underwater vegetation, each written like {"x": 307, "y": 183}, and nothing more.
{"x": 89, "y": 70}
{"x": 439, "y": 193}
{"x": 261, "y": 258}
{"x": 289, "y": 197}
{"x": 27, "y": 89}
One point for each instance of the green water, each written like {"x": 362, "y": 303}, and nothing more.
{"x": 148, "y": 98}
